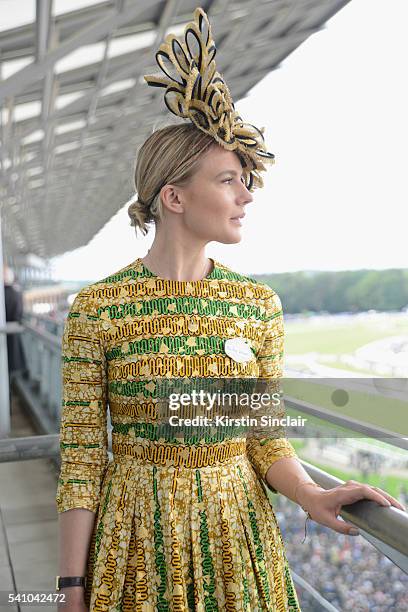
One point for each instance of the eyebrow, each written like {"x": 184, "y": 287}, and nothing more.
{"x": 234, "y": 172}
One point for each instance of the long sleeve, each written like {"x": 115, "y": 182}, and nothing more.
{"x": 264, "y": 451}
{"x": 83, "y": 429}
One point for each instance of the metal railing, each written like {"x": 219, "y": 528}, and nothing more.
{"x": 41, "y": 388}
{"x": 357, "y": 425}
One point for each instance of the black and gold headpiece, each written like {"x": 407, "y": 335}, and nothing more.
{"x": 196, "y": 91}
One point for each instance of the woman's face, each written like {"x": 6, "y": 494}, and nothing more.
{"x": 214, "y": 196}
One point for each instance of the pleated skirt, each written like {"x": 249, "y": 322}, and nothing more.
{"x": 186, "y": 539}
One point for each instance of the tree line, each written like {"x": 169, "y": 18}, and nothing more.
{"x": 343, "y": 291}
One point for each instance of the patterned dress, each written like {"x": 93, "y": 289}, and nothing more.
{"x": 180, "y": 524}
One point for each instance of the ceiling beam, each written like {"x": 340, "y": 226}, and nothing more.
{"x": 42, "y": 23}
{"x": 37, "y": 70}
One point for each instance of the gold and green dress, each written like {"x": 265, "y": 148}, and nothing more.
{"x": 181, "y": 524}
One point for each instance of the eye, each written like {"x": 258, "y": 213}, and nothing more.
{"x": 231, "y": 179}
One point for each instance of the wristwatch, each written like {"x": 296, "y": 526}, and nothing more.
{"x": 69, "y": 581}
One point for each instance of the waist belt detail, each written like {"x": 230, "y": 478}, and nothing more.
{"x": 180, "y": 455}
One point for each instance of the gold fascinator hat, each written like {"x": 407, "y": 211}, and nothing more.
{"x": 196, "y": 91}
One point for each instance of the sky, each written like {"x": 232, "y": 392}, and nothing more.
{"x": 335, "y": 117}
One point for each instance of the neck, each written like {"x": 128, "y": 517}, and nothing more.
{"x": 177, "y": 261}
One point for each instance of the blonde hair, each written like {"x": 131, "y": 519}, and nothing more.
{"x": 170, "y": 155}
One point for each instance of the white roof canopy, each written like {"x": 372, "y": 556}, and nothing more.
{"x": 75, "y": 106}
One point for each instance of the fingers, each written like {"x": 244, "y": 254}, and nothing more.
{"x": 383, "y": 498}
{"x": 342, "y": 527}
{"x": 375, "y": 494}
{"x": 393, "y": 501}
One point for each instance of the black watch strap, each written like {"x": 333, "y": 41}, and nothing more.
{"x": 70, "y": 581}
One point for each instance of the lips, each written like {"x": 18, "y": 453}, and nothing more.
{"x": 239, "y": 217}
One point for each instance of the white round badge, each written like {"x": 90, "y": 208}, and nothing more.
{"x": 238, "y": 349}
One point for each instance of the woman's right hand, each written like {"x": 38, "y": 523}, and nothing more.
{"x": 74, "y": 600}
{"x": 324, "y": 505}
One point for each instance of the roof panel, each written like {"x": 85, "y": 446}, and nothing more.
{"x": 13, "y": 16}
{"x": 80, "y": 111}
{"x": 68, "y": 6}
{"x": 85, "y": 55}
{"x": 13, "y": 66}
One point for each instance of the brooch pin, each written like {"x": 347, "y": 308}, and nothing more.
{"x": 238, "y": 350}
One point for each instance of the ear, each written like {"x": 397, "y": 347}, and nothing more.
{"x": 171, "y": 196}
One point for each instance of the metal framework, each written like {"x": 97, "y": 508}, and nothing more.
{"x": 67, "y": 168}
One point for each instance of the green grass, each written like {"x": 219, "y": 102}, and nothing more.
{"x": 339, "y": 338}
{"x": 298, "y": 444}
{"x": 331, "y": 429}
{"x": 381, "y": 411}
{"x": 345, "y": 366}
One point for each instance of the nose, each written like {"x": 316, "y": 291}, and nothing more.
{"x": 247, "y": 195}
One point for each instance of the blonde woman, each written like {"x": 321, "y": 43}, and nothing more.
{"x": 174, "y": 524}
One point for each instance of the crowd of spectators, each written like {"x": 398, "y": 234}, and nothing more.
{"x": 346, "y": 570}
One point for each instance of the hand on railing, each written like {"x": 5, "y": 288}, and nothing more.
{"x": 324, "y": 505}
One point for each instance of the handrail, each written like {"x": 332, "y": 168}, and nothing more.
{"x": 385, "y": 528}
{"x": 317, "y": 596}
{"x": 12, "y": 327}
{"x": 29, "y": 447}
{"x": 51, "y": 339}
{"x": 371, "y": 431}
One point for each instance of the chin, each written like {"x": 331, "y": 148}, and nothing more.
{"x": 229, "y": 238}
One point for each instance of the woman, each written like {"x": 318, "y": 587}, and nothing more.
{"x": 175, "y": 524}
